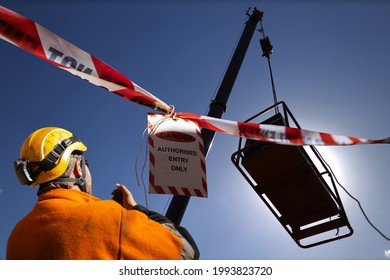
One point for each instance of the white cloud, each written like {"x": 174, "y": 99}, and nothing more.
{"x": 1, "y": 190}
{"x": 387, "y": 253}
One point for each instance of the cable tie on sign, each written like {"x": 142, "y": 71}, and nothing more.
{"x": 173, "y": 115}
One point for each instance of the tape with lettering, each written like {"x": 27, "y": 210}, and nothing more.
{"x": 39, "y": 41}
{"x": 277, "y": 134}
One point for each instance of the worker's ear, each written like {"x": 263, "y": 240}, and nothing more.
{"x": 77, "y": 169}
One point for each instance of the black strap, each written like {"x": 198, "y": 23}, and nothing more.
{"x": 78, "y": 181}
{"x": 49, "y": 162}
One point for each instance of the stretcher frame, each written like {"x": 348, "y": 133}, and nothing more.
{"x": 312, "y": 213}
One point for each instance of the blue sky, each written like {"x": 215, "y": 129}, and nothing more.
{"x": 330, "y": 65}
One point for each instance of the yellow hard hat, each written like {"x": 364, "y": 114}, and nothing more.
{"x": 45, "y": 155}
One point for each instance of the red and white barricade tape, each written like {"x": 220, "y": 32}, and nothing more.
{"x": 277, "y": 134}
{"x": 39, "y": 41}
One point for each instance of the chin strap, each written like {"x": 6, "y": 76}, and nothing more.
{"x": 78, "y": 181}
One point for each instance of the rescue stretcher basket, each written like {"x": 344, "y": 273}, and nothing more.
{"x": 294, "y": 182}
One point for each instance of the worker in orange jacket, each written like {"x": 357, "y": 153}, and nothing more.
{"x": 67, "y": 222}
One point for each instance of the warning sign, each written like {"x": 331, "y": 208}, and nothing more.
{"x": 176, "y": 157}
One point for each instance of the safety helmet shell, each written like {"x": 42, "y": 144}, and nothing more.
{"x": 41, "y": 142}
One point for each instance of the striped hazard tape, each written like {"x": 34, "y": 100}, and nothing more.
{"x": 39, "y": 41}
{"x": 277, "y": 134}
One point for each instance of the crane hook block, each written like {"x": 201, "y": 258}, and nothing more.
{"x": 266, "y": 46}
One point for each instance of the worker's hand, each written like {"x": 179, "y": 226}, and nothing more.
{"x": 128, "y": 200}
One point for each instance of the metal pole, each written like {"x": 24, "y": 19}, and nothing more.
{"x": 217, "y": 107}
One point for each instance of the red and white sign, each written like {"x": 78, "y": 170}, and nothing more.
{"x": 177, "y": 161}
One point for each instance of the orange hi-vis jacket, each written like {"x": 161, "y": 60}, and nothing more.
{"x": 68, "y": 224}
